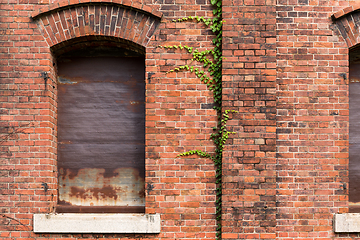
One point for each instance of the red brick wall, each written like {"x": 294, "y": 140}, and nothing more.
{"x": 28, "y": 122}
{"x": 285, "y": 72}
{"x": 179, "y": 117}
{"x": 310, "y": 170}
{"x": 312, "y": 119}
{"x": 249, "y": 81}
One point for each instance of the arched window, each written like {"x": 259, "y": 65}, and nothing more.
{"x": 354, "y": 130}
{"x": 101, "y": 129}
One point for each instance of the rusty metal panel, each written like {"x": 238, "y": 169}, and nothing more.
{"x": 354, "y": 136}
{"x": 101, "y": 133}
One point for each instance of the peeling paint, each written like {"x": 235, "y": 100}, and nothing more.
{"x": 91, "y": 188}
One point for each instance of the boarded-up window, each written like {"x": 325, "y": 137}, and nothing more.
{"x": 101, "y": 131}
{"x": 354, "y": 131}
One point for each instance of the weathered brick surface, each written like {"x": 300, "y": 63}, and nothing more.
{"x": 285, "y": 72}
{"x": 179, "y": 114}
{"x": 312, "y": 119}
{"x": 249, "y": 81}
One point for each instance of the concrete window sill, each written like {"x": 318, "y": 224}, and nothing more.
{"x": 96, "y": 223}
{"x": 347, "y": 223}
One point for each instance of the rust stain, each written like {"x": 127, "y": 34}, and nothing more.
{"x": 101, "y": 133}
{"x": 354, "y": 79}
{"x": 354, "y": 207}
{"x": 135, "y": 103}
{"x": 98, "y": 193}
{"x": 90, "y": 188}
{"x": 65, "y": 203}
{"x": 107, "y": 191}
{"x": 63, "y": 80}
{"x": 77, "y": 192}
{"x": 109, "y": 173}
{"x": 99, "y": 209}
{"x": 142, "y": 193}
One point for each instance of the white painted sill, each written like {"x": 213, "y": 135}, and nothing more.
{"x": 96, "y": 223}
{"x": 347, "y": 223}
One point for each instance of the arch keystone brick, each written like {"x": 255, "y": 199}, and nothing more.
{"x": 59, "y": 23}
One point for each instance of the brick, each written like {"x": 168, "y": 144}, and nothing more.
{"x": 285, "y": 71}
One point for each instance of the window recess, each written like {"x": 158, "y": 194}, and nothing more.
{"x": 354, "y": 131}
{"x": 101, "y": 131}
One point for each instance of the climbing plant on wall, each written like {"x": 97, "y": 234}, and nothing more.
{"x": 211, "y": 75}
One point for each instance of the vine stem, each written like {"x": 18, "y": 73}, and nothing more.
{"x": 214, "y": 68}
{"x": 14, "y": 219}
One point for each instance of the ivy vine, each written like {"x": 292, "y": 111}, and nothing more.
{"x": 219, "y": 137}
{"x": 212, "y": 76}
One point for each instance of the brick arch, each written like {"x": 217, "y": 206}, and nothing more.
{"x": 61, "y": 23}
{"x": 348, "y": 23}
{"x": 68, "y": 3}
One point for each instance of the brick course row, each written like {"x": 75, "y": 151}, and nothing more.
{"x": 285, "y": 72}
{"x": 249, "y": 82}
{"x": 312, "y": 120}
{"x": 179, "y": 111}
